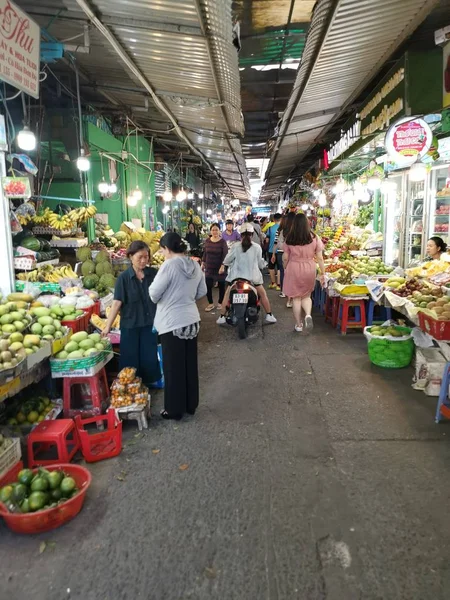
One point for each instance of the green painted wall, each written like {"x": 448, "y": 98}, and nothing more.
{"x": 66, "y": 184}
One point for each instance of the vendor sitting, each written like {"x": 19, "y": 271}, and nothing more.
{"x": 435, "y": 248}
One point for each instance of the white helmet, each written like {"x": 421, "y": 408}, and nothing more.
{"x": 246, "y": 227}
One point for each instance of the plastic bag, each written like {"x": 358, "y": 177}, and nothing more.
{"x": 127, "y": 375}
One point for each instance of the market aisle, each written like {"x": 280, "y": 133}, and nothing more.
{"x": 308, "y": 474}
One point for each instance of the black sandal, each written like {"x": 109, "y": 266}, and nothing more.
{"x": 165, "y": 415}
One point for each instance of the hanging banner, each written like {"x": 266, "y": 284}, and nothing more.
{"x": 408, "y": 139}
{"x": 446, "y": 55}
{"x": 20, "y": 40}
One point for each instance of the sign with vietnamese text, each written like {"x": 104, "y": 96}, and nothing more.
{"x": 409, "y": 138}
{"x": 19, "y": 49}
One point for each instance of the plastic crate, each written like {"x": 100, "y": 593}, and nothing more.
{"x": 54, "y": 288}
{"x": 66, "y": 367}
{"x": 92, "y": 310}
{"x": 79, "y": 324}
{"x": 390, "y": 353}
{"x": 10, "y": 455}
{"x": 46, "y": 520}
{"x": 104, "y": 444}
{"x": 11, "y": 475}
{"x": 439, "y": 330}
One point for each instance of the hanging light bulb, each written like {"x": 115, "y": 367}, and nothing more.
{"x": 132, "y": 200}
{"x": 304, "y": 206}
{"x": 103, "y": 187}
{"x": 26, "y": 140}
{"x": 190, "y": 196}
{"x": 417, "y": 172}
{"x": 181, "y": 195}
{"x": 167, "y": 196}
{"x": 137, "y": 193}
{"x": 112, "y": 188}
{"x": 201, "y": 196}
{"x": 209, "y": 211}
{"x": 165, "y": 210}
{"x": 366, "y": 198}
{"x": 322, "y": 200}
{"x": 316, "y": 193}
{"x": 373, "y": 183}
{"x": 83, "y": 163}
{"x": 199, "y": 208}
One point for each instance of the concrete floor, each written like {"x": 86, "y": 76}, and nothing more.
{"x": 310, "y": 475}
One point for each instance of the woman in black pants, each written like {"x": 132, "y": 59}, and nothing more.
{"x": 215, "y": 251}
{"x": 175, "y": 290}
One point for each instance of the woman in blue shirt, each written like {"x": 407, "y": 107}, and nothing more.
{"x": 138, "y": 343}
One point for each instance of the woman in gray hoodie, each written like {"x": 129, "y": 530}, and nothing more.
{"x": 175, "y": 290}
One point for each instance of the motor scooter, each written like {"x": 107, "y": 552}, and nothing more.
{"x": 243, "y": 306}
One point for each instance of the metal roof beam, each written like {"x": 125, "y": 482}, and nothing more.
{"x": 134, "y": 69}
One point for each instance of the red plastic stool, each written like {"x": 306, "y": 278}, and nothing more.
{"x": 106, "y": 444}
{"x": 331, "y": 309}
{"x": 99, "y": 394}
{"x": 61, "y": 433}
{"x": 352, "y": 315}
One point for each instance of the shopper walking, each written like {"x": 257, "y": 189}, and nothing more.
{"x": 245, "y": 261}
{"x": 302, "y": 249}
{"x": 175, "y": 290}
{"x": 258, "y": 237}
{"x": 230, "y": 235}
{"x": 270, "y": 236}
{"x": 278, "y": 248}
{"x": 138, "y": 342}
{"x": 215, "y": 250}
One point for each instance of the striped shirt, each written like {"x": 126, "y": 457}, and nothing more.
{"x": 213, "y": 256}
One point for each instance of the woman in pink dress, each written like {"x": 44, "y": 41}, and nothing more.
{"x": 302, "y": 249}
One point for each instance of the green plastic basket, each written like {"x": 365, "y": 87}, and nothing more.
{"x": 392, "y": 354}
{"x": 44, "y": 286}
{"x": 67, "y": 365}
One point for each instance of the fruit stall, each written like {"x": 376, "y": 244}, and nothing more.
{"x": 56, "y": 369}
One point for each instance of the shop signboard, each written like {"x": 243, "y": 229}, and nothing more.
{"x": 412, "y": 86}
{"x": 409, "y": 138}
{"x": 19, "y": 49}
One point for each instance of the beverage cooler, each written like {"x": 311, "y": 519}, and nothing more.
{"x": 439, "y": 203}
{"x": 393, "y": 222}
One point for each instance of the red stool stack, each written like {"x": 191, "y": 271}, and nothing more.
{"x": 99, "y": 394}
{"x": 61, "y": 433}
{"x": 352, "y": 314}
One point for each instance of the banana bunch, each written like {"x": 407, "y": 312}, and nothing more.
{"x": 60, "y": 222}
{"x": 116, "y": 322}
{"x": 23, "y": 219}
{"x": 98, "y": 322}
{"x": 82, "y": 214}
{"x": 42, "y": 218}
{"x": 48, "y": 274}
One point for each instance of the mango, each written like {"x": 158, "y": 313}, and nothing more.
{"x": 45, "y": 321}
{"x": 79, "y": 337}
{"x": 31, "y": 340}
{"x": 8, "y": 329}
{"x": 62, "y": 355}
{"x": 41, "y": 311}
{"x": 86, "y": 344}
{"x": 71, "y": 347}
{"x": 76, "y": 354}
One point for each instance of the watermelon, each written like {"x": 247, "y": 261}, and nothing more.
{"x": 31, "y": 243}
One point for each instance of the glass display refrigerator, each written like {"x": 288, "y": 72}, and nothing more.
{"x": 415, "y": 221}
{"x": 393, "y": 221}
{"x": 439, "y": 203}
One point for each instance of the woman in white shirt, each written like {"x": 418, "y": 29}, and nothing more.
{"x": 245, "y": 261}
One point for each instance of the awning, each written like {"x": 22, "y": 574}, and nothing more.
{"x": 348, "y": 42}
{"x": 173, "y": 62}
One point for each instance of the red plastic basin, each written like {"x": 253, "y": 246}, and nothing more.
{"x": 46, "y": 520}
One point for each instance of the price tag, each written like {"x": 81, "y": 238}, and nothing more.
{"x": 9, "y": 388}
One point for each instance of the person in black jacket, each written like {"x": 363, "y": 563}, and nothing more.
{"x": 192, "y": 237}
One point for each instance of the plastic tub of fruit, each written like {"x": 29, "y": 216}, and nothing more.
{"x": 390, "y": 347}
{"x": 51, "y": 518}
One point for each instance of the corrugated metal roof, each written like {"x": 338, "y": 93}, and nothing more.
{"x": 186, "y": 68}
{"x": 348, "y": 42}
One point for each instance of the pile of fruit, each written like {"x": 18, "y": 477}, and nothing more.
{"x": 394, "y": 282}
{"x": 48, "y": 324}
{"x": 334, "y": 267}
{"x": 365, "y": 265}
{"x": 157, "y": 260}
{"x": 440, "y": 307}
{"x": 345, "y": 276}
{"x": 127, "y": 389}
{"x": 98, "y": 274}
{"x": 38, "y": 491}
{"x": 414, "y": 288}
{"x": 390, "y": 346}
{"x": 30, "y": 411}
{"x": 48, "y": 273}
{"x": 100, "y": 323}
{"x": 82, "y": 345}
